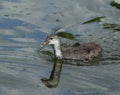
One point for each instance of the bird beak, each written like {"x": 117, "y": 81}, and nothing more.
{"x": 44, "y": 44}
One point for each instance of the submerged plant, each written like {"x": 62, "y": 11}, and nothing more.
{"x": 111, "y": 26}
{"x": 115, "y": 4}
{"x": 97, "y": 19}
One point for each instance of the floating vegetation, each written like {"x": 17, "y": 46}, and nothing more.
{"x": 46, "y": 52}
{"x": 58, "y": 20}
{"x": 111, "y": 26}
{"x": 49, "y": 54}
{"x": 115, "y": 4}
{"x": 66, "y": 35}
{"x": 97, "y": 19}
{"x": 6, "y": 15}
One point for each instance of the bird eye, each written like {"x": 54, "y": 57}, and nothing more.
{"x": 50, "y": 38}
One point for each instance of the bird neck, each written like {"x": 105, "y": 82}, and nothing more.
{"x": 57, "y": 50}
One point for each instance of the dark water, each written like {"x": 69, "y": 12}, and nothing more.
{"x": 24, "y": 24}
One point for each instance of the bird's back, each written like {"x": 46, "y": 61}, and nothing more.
{"x": 83, "y": 52}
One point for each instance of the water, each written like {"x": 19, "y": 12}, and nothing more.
{"x": 25, "y": 24}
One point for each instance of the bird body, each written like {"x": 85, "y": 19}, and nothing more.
{"x": 85, "y": 52}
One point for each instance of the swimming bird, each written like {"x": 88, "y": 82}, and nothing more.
{"x": 78, "y": 51}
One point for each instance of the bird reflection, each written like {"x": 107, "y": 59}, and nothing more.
{"x": 53, "y": 80}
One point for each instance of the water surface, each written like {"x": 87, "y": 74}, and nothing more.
{"x": 25, "y": 24}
